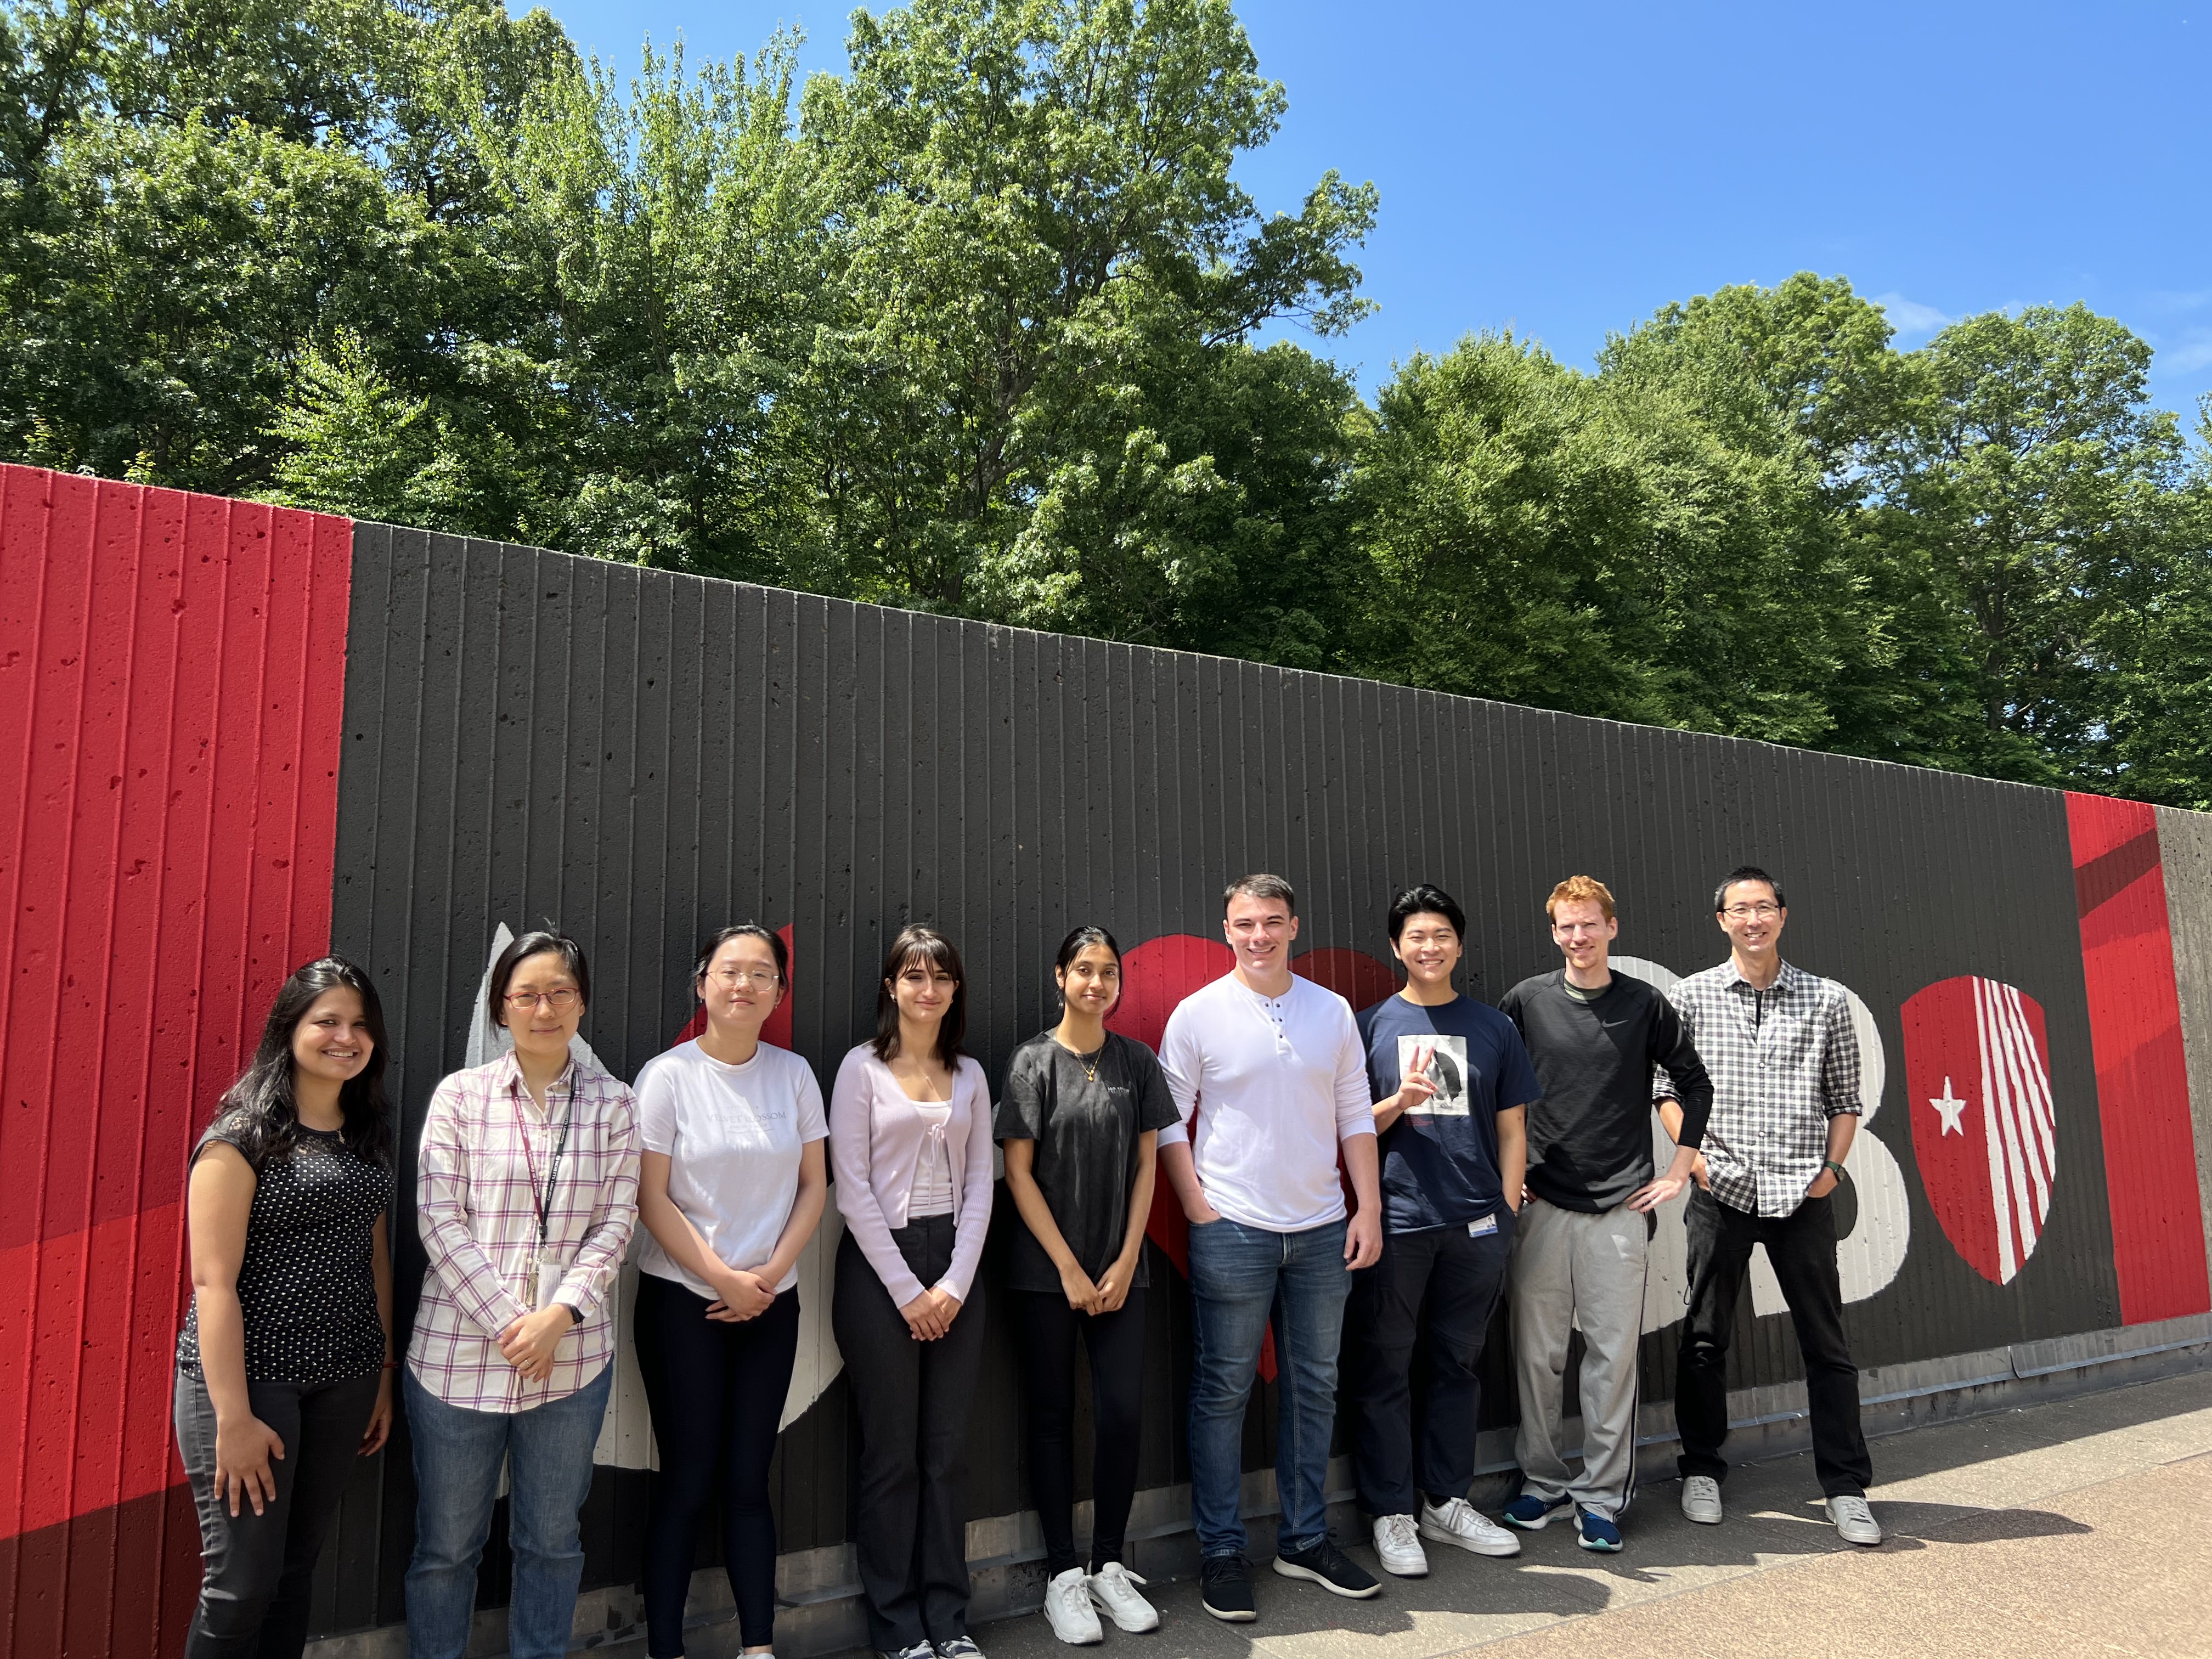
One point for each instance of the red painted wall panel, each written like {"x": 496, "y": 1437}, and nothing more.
{"x": 171, "y": 672}
{"x": 2143, "y": 1081}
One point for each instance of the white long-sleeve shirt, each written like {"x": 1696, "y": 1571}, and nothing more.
{"x": 1266, "y": 1088}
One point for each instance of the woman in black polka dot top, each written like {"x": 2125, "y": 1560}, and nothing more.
{"x": 284, "y": 1367}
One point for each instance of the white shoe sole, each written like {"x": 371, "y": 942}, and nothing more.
{"x": 1290, "y": 1570}
{"x": 1407, "y": 1572}
{"x": 1541, "y": 1521}
{"x": 1231, "y": 1616}
{"x": 1145, "y": 1623}
{"x": 1507, "y": 1546}
{"x": 1081, "y": 1638}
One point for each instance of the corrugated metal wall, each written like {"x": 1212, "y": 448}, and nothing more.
{"x": 171, "y": 672}
{"x": 642, "y": 756}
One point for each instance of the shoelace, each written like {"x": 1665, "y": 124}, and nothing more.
{"x": 1114, "y": 1573}
{"x": 1399, "y": 1532}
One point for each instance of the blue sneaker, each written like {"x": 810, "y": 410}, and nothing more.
{"x": 1532, "y": 1514}
{"x": 1594, "y": 1531}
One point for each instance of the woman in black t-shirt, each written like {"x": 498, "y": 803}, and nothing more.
{"x": 284, "y": 1365}
{"x": 1079, "y": 1116}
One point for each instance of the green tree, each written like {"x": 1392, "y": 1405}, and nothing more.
{"x": 2030, "y": 475}
{"x": 1039, "y": 211}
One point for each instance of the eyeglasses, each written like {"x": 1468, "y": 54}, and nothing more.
{"x": 561, "y": 1000}
{"x": 1758, "y": 912}
{"x": 739, "y": 978}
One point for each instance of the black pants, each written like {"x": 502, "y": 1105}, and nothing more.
{"x": 1115, "y": 1342}
{"x": 257, "y": 1571}
{"x": 1802, "y": 1248}
{"x": 716, "y": 1393}
{"x": 913, "y": 1399}
{"x": 1441, "y": 1276}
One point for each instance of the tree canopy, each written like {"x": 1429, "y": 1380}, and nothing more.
{"x": 976, "y": 327}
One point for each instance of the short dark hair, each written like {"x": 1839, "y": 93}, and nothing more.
{"x": 1260, "y": 885}
{"x": 1081, "y": 940}
{"x": 1422, "y": 898}
{"x": 933, "y": 948}
{"x": 1746, "y": 872}
{"x": 539, "y": 941}
{"x": 742, "y": 930}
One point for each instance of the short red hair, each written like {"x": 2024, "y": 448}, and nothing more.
{"x": 1578, "y": 890}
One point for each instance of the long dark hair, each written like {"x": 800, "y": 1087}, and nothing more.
{"x": 260, "y": 1102}
{"x": 933, "y": 948}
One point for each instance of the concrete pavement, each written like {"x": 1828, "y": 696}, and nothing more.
{"x": 2083, "y": 1527}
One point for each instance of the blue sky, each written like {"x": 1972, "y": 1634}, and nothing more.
{"x": 1564, "y": 169}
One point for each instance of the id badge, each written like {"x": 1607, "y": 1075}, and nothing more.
{"x": 1475, "y": 1230}
{"x": 550, "y": 1275}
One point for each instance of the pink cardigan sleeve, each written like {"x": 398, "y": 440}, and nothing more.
{"x": 971, "y": 1223}
{"x": 851, "y": 1140}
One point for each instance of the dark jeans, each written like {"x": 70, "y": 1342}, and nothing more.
{"x": 1115, "y": 1342}
{"x": 1441, "y": 1277}
{"x": 1802, "y": 1248}
{"x": 716, "y": 1393}
{"x": 913, "y": 1399}
{"x": 1240, "y": 1278}
{"x": 257, "y": 1571}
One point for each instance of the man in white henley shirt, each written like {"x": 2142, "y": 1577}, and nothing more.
{"x": 1270, "y": 1079}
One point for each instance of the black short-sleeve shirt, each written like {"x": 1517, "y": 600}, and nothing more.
{"x": 308, "y": 1284}
{"x": 1086, "y": 1129}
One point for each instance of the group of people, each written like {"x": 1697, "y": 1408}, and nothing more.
{"x": 1489, "y": 1153}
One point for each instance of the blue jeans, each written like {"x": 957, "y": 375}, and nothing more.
{"x": 1240, "y": 1276}
{"x": 548, "y": 1451}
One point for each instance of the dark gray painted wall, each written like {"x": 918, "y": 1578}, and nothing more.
{"x": 642, "y": 756}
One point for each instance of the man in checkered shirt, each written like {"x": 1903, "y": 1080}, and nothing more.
{"x": 1784, "y": 1058}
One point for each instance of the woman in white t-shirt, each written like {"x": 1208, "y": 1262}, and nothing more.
{"x": 730, "y": 1186}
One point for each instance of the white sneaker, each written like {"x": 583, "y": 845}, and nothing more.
{"x": 1854, "y": 1521}
{"x": 1458, "y": 1522}
{"x": 1113, "y": 1587}
{"x": 1701, "y": 1500}
{"x": 1067, "y": 1609}
{"x": 1398, "y": 1546}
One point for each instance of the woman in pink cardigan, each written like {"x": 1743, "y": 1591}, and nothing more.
{"x": 910, "y": 1146}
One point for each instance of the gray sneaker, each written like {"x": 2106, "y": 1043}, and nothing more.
{"x": 1854, "y": 1521}
{"x": 1701, "y": 1500}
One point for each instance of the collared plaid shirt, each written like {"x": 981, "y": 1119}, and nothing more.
{"x": 473, "y": 1197}
{"x": 1783, "y": 1061}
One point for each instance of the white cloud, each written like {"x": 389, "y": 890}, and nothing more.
{"x": 1910, "y": 316}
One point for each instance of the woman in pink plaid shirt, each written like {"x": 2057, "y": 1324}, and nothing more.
{"x": 526, "y": 1194}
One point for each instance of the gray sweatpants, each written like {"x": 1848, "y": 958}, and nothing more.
{"x": 1572, "y": 1267}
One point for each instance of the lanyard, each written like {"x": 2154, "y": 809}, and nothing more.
{"x": 543, "y": 1205}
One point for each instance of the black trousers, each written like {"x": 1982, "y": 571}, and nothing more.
{"x": 1802, "y": 1248}
{"x": 1050, "y": 1330}
{"x": 1440, "y": 1278}
{"x": 257, "y": 1571}
{"x": 716, "y": 1393}
{"x": 913, "y": 1399}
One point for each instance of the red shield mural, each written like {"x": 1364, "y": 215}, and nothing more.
{"x": 1978, "y": 1076}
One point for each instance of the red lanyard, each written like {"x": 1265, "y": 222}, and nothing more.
{"x": 543, "y": 1205}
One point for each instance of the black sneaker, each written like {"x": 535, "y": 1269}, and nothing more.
{"x": 1225, "y": 1586}
{"x": 1332, "y": 1568}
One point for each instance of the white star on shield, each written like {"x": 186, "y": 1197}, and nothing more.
{"x": 1948, "y": 1106}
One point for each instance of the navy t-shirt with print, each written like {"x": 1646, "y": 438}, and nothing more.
{"x": 1440, "y": 1161}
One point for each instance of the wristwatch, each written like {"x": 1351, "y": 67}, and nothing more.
{"x": 1831, "y": 1164}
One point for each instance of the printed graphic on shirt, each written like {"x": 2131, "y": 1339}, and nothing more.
{"x": 1443, "y": 1058}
